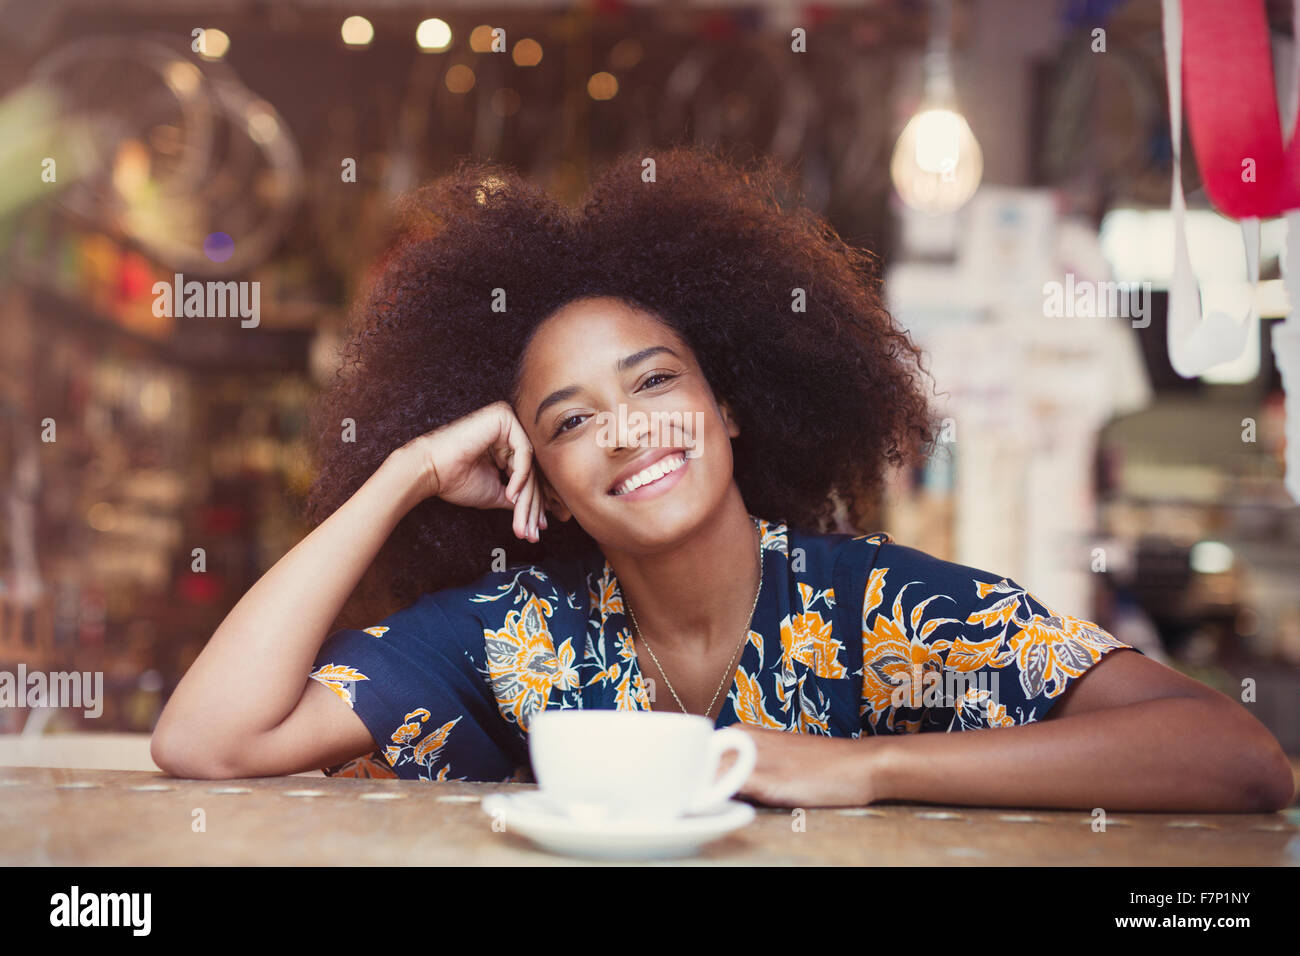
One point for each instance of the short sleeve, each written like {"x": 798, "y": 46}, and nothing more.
{"x": 416, "y": 682}
{"x": 949, "y": 647}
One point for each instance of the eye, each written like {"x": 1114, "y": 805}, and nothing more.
{"x": 563, "y": 424}
{"x": 649, "y": 382}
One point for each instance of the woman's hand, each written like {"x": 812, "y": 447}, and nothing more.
{"x": 807, "y": 770}
{"x": 462, "y": 461}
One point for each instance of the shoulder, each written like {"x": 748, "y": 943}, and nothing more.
{"x": 911, "y": 586}
{"x": 550, "y": 588}
{"x": 967, "y": 620}
{"x": 822, "y": 554}
{"x": 553, "y": 592}
{"x": 901, "y": 566}
{"x": 981, "y": 599}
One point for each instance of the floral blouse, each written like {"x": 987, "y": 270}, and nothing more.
{"x": 851, "y": 635}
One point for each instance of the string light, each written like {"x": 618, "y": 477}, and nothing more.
{"x": 357, "y": 31}
{"x": 937, "y": 163}
{"x": 527, "y": 52}
{"x": 213, "y": 44}
{"x": 433, "y": 34}
{"x": 602, "y": 86}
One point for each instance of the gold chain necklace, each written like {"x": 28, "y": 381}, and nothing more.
{"x": 732, "y": 664}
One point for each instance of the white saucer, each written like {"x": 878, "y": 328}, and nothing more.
{"x": 530, "y": 814}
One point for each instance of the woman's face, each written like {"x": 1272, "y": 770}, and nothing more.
{"x": 606, "y": 392}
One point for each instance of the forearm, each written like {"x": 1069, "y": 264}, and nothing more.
{"x": 252, "y": 671}
{"x": 1171, "y": 753}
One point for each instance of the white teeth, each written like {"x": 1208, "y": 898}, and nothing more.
{"x": 656, "y": 471}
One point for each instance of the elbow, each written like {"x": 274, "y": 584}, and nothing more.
{"x": 1283, "y": 789}
{"x": 1253, "y": 773}
{"x": 172, "y": 757}
{"x": 161, "y": 751}
{"x": 1273, "y": 786}
{"x": 178, "y": 757}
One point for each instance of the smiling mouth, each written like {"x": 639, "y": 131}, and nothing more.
{"x": 660, "y": 469}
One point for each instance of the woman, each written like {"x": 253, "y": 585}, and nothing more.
{"x": 668, "y": 394}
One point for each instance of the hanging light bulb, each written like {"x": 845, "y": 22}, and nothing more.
{"x": 937, "y": 164}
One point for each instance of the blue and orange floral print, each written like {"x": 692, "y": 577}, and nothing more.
{"x": 852, "y": 635}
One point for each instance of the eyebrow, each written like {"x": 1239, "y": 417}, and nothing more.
{"x": 623, "y": 364}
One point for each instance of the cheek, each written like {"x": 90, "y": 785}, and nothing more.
{"x": 563, "y": 468}
{"x": 713, "y": 446}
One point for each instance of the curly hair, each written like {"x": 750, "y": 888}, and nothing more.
{"x": 826, "y": 397}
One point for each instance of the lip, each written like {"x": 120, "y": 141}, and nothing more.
{"x": 660, "y": 486}
{"x": 643, "y": 462}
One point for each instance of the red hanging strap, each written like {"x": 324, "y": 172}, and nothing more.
{"x": 1232, "y": 113}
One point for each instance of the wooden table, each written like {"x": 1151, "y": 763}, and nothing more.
{"x": 52, "y": 816}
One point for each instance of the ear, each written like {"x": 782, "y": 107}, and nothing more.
{"x": 554, "y": 504}
{"x": 729, "y": 419}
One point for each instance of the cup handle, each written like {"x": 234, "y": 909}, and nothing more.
{"x": 722, "y": 741}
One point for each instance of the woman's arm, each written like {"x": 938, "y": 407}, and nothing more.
{"x": 246, "y": 707}
{"x": 252, "y": 672}
{"x": 1130, "y": 734}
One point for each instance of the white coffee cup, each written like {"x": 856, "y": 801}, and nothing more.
{"x": 616, "y": 764}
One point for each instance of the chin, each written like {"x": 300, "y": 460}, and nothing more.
{"x": 654, "y": 525}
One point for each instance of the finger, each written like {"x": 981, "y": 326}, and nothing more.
{"x": 521, "y": 460}
{"x": 541, "y": 503}
{"x": 500, "y": 454}
{"x": 517, "y": 522}
{"x": 522, "y": 505}
{"x": 503, "y": 458}
{"x": 537, "y": 513}
{"x": 534, "y": 493}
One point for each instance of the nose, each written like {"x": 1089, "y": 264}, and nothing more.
{"x": 631, "y": 428}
